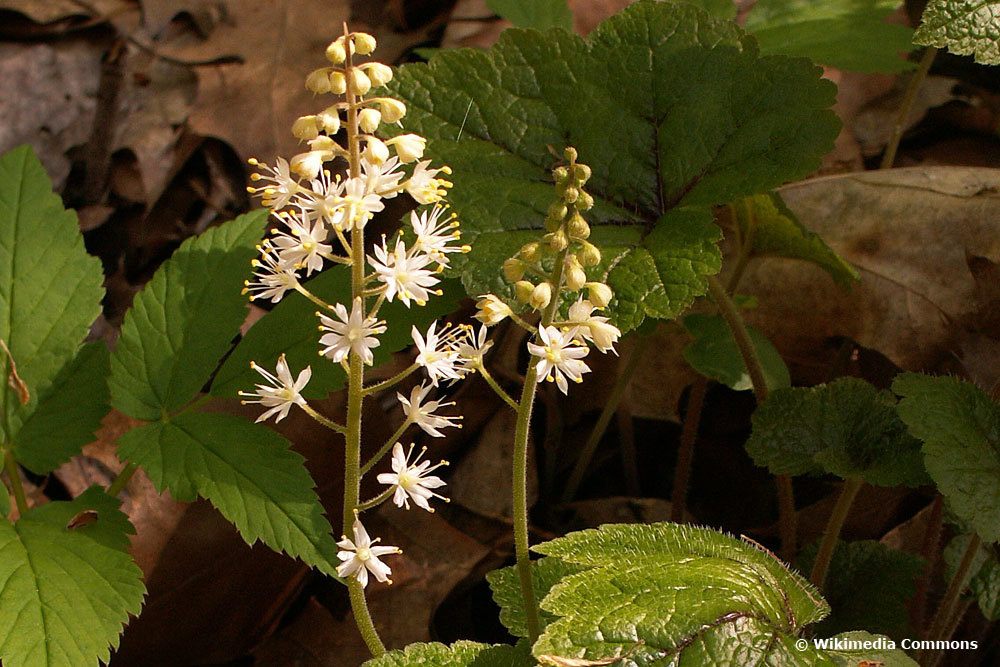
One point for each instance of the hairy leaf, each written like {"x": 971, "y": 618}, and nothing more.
{"x": 536, "y": 14}
{"x": 459, "y": 654}
{"x": 247, "y": 471}
{"x": 984, "y": 581}
{"x": 772, "y": 230}
{"x": 184, "y": 320}
{"x": 965, "y": 27}
{"x": 670, "y": 107}
{"x": 960, "y": 428}
{"x": 50, "y": 289}
{"x": 846, "y": 428}
{"x": 66, "y": 591}
{"x": 714, "y": 354}
{"x": 506, "y": 586}
{"x": 291, "y": 329}
{"x": 868, "y": 587}
{"x": 68, "y": 414}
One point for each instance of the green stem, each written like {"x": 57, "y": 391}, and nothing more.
{"x": 497, "y": 388}
{"x": 384, "y": 449}
{"x": 325, "y": 421}
{"x": 833, "y": 527}
{"x": 889, "y": 157}
{"x": 14, "y": 475}
{"x": 958, "y": 583}
{"x": 363, "y": 618}
{"x": 312, "y": 297}
{"x": 787, "y": 518}
{"x": 377, "y": 500}
{"x": 520, "y": 500}
{"x": 395, "y": 379}
{"x": 607, "y": 412}
{"x": 121, "y": 481}
{"x": 685, "y": 454}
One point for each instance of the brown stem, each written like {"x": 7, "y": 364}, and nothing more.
{"x": 833, "y": 527}
{"x": 685, "y": 455}
{"x": 889, "y": 157}
{"x": 959, "y": 581}
{"x": 930, "y": 552}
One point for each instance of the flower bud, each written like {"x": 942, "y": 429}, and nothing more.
{"x": 392, "y": 110}
{"x": 570, "y": 195}
{"x": 599, "y": 294}
{"x": 570, "y": 154}
{"x": 360, "y": 83}
{"x": 338, "y": 83}
{"x": 581, "y": 173}
{"x": 557, "y": 211}
{"x": 584, "y": 202}
{"x": 491, "y": 310}
{"x": 369, "y": 119}
{"x": 589, "y": 255}
{"x": 322, "y": 143}
{"x": 409, "y": 147}
{"x": 530, "y": 252}
{"x": 304, "y": 128}
{"x": 513, "y": 270}
{"x": 378, "y": 73}
{"x": 578, "y": 227}
{"x": 330, "y": 120}
{"x": 335, "y": 52}
{"x": 523, "y": 290}
{"x": 541, "y": 296}
{"x": 557, "y": 241}
{"x": 553, "y": 224}
{"x": 318, "y": 81}
{"x": 575, "y": 277}
{"x": 364, "y": 43}
{"x": 376, "y": 152}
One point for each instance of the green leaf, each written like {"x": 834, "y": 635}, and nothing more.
{"x": 68, "y": 414}
{"x": 839, "y": 649}
{"x": 772, "y": 230}
{"x": 50, "y": 289}
{"x": 724, "y": 9}
{"x": 506, "y": 586}
{"x": 669, "y": 107}
{"x": 984, "y": 579}
{"x": 184, "y": 320}
{"x": 535, "y": 14}
{"x": 66, "y": 590}
{"x": 846, "y": 428}
{"x": 960, "y": 428}
{"x": 4, "y": 502}
{"x": 246, "y": 471}
{"x": 847, "y": 34}
{"x": 687, "y": 595}
{"x": 290, "y": 329}
{"x": 868, "y": 587}
{"x": 714, "y": 354}
{"x": 965, "y": 27}
{"x": 459, "y": 654}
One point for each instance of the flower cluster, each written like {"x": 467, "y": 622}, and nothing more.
{"x": 322, "y": 200}
{"x": 544, "y": 272}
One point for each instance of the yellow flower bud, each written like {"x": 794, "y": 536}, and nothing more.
{"x": 589, "y": 255}
{"x": 578, "y": 227}
{"x": 409, "y": 147}
{"x": 378, "y": 73}
{"x": 318, "y": 81}
{"x": 560, "y": 174}
{"x": 541, "y": 296}
{"x": 513, "y": 269}
{"x": 581, "y": 173}
{"x": 530, "y": 252}
{"x": 557, "y": 240}
{"x": 304, "y": 128}
{"x": 584, "y": 202}
{"x": 557, "y": 210}
{"x": 491, "y": 310}
{"x": 570, "y": 154}
{"x": 392, "y": 110}
{"x": 338, "y": 83}
{"x": 360, "y": 83}
{"x": 376, "y": 152}
{"x": 364, "y": 43}
{"x": 335, "y": 52}
{"x": 322, "y": 143}
{"x": 600, "y": 294}
{"x": 369, "y": 120}
{"x": 570, "y": 195}
{"x": 523, "y": 290}
{"x": 575, "y": 277}
{"x": 330, "y": 120}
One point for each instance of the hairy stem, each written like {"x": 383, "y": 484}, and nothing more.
{"x": 377, "y": 500}
{"x": 395, "y": 379}
{"x": 325, "y": 421}
{"x": 495, "y": 386}
{"x": 14, "y": 476}
{"x": 610, "y": 407}
{"x": 889, "y": 157}
{"x": 122, "y": 479}
{"x": 833, "y": 527}
{"x": 685, "y": 455}
{"x": 385, "y": 448}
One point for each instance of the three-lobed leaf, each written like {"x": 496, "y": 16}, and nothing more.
{"x": 846, "y": 428}
{"x": 66, "y": 590}
{"x": 965, "y": 27}
{"x": 960, "y": 429}
{"x": 248, "y": 472}
{"x": 714, "y": 354}
{"x": 50, "y": 289}
{"x": 673, "y": 110}
{"x": 184, "y": 320}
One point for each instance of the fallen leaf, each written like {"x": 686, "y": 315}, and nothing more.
{"x": 47, "y": 11}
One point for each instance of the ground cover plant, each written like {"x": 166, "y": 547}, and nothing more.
{"x": 532, "y": 239}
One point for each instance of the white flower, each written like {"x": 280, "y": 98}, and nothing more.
{"x": 282, "y": 392}
{"x": 422, "y": 413}
{"x": 323, "y": 200}
{"x": 412, "y": 481}
{"x": 279, "y": 184}
{"x": 409, "y": 147}
{"x": 359, "y": 205}
{"x": 355, "y": 333}
{"x": 593, "y": 328}
{"x": 425, "y": 186}
{"x": 361, "y": 556}
{"x": 382, "y": 179}
{"x": 273, "y": 276}
{"x": 473, "y": 347}
{"x": 404, "y": 276}
{"x": 436, "y": 353}
{"x": 558, "y": 358}
{"x": 491, "y": 310}
{"x": 304, "y": 247}
{"x": 434, "y": 234}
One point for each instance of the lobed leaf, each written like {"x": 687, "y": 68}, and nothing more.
{"x": 960, "y": 429}
{"x": 247, "y": 471}
{"x": 965, "y": 27}
{"x": 714, "y": 354}
{"x": 66, "y": 591}
{"x": 673, "y": 110}
{"x": 846, "y": 428}
{"x": 459, "y": 654}
{"x": 506, "y": 586}
{"x": 184, "y": 320}
{"x": 50, "y": 288}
